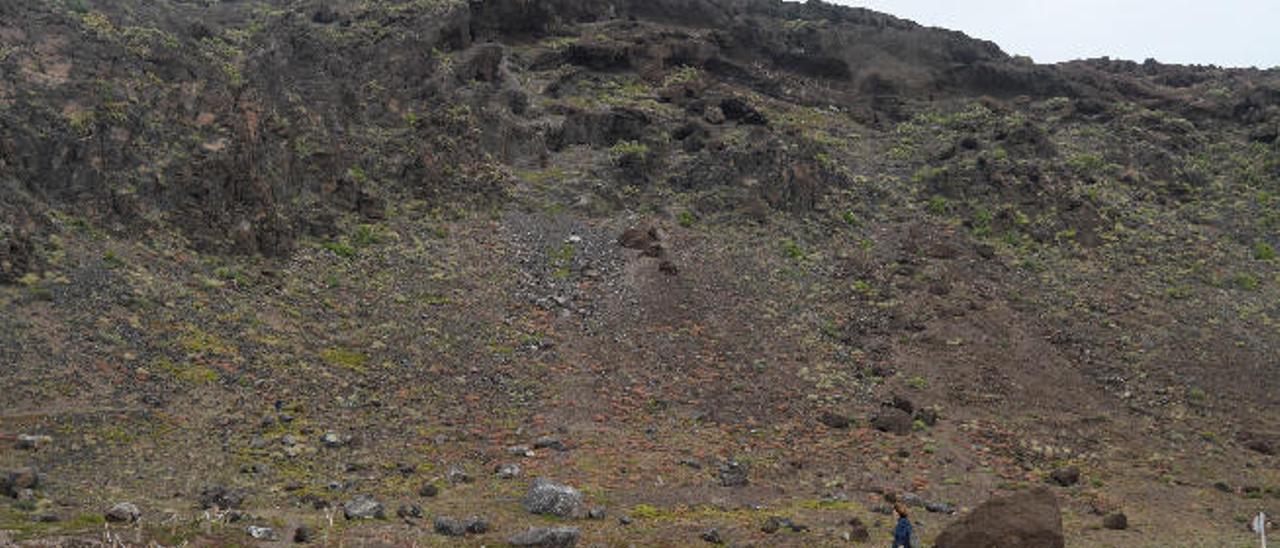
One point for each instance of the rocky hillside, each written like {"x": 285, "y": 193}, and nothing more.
{"x": 720, "y": 270}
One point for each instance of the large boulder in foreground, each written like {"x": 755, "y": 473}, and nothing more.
{"x": 1024, "y": 520}
{"x": 547, "y": 497}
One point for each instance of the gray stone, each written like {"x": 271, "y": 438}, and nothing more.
{"x": 221, "y": 496}
{"x": 303, "y": 534}
{"x": 596, "y": 513}
{"x": 449, "y": 527}
{"x": 457, "y": 474}
{"x": 262, "y": 533}
{"x": 733, "y": 474}
{"x": 547, "y": 497}
{"x": 547, "y": 537}
{"x": 28, "y": 441}
{"x": 363, "y": 507}
{"x": 549, "y": 442}
{"x": 476, "y": 525}
{"x": 713, "y": 536}
{"x": 940, "y": 508}
{"x": 508, "y": 471}
{"x": 124, "y": 512}
{"x": 333, "y": 440}
{"x": 409, "y": 511}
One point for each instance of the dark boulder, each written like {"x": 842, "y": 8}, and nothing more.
{"x": 738, "y": 110}
{"x": 1116, "y": 522}
{"x": 15, "y": 481}
{"x": 1257, "y": 442}
{"x": 221, "y": 496}
{"x": 835, "y": 420}
{"x": 893, "y": 421}
{"x": 1065, "y": 477}
{"x": 601, "y": 56}
{"x": 17, "y": 254}
{"x": 1025, "y": 520}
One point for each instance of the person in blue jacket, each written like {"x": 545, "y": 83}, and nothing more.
{"x": 902, "y": 533}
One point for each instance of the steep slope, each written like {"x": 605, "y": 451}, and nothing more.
{"x": 303, "y": 251}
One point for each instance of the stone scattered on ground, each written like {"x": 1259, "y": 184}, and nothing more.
{"x": 1116, "y": 522}
{"x": 858, "y": 531}
{"x": 409, "y": 511}
{"x": 508, "y": 471}
{"x": 520, "y": 451}
{"x": 334, "y": 440}
{"x": 363, "y": 507}
{"x": 835, "y": 420}
{"x": 547, "y": 497}
{"x": 221, "y": 496}
{"x": 912, "y": 499}
{"x": 449, "y": 526}
{"x": 733, "y": 474}
{"x": 1028, "y": 520}
{"x": 476, "y": 525}
{"x": 303, "y": 534}
{"x": 457, "y": 474}
{"x": 1065, "y": 477}
{"x": 775, "y": 523}
{"x": 547, "y": 537}
{"x": 550, "y": 442}
{"x": 262, "y": 533}
{"x": 32, "y": 441}
{"x": 124, "y": 512}
{"x": 892, "y": 420}
{"x": 596, "y": 513}
{"x": 712, "y": 535}
{"x": 15, "y": 481}
{"x": 624, "y": 520}
{"x": 928, "y": 415}
{"x": 428, "y": 490}
{"x": 940, "y": 508}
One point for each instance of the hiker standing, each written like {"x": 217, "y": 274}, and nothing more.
{"x": 902, "y": 533}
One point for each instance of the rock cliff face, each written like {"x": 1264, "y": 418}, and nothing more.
{"x": 247, "y": 127}
{"x": 441, "y": 229}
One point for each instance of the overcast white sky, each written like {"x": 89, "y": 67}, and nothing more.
{"x": 1234, "y": 33}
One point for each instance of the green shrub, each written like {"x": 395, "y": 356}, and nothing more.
{"x": 629, "y": 148}
{"x": 792, "y": 250}
{"x": 340, "y": 249}
{"x": 982, "y": 218}
{"x": 1263, "y": 251}
{"x": 938, "y": 205}
{"x": 1086, "y": 163}
{"x": 917, "y": 382}
{"x": 1247, "y": 282}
